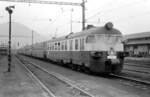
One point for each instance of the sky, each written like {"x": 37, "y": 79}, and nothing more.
{"x": 129, "y": 16}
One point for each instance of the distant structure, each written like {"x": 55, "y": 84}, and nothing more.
{"x": 138, "y": 45}
{"x": 89, "y": 26}
{"x": 3, "y": 48}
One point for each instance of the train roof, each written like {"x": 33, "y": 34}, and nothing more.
{"x": 97, "y": 30}
{"x": 137, "y": 35}
{"x": 92, "y": 30}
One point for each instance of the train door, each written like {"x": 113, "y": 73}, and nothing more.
{"x": 71, "y": 50}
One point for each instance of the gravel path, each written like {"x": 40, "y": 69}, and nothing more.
{"x": 98, "y": 85}
{"x": 17, "y": 83}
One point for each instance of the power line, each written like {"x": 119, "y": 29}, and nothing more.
{"x": 82, "y": 4}
{"x": 44, "y": 2}
{"x": 16, "y": 36}
{"x": 99, "y": 12}
{"x": 117, "y": 8}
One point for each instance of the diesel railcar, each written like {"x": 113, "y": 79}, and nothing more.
{"x": 97, "y": 49}
{"x": 3, "y": 50}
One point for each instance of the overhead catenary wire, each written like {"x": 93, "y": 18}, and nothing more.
{"x": 99, "y": 12}
{"x": 82, "y": 4}
{"x": 103, "y": 12}
{"x": 114, "y": 9}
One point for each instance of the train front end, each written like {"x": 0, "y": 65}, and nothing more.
{"x": 107, "y": 53}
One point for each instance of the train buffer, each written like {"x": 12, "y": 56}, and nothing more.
{"x": 17, "y": 83}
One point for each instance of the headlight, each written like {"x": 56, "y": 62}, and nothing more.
{"x": 111, "y": 57}
{"x": 96, "y": 54}
{"x": 111, "y": 52}
{"x": 92, "y": 53}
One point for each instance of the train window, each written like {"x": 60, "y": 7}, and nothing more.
{"x": 76, "y": 44}
{"x": 58, "y": 45}
{"x": 65, "y": 45}
{"x": 90, "y": 39}
{"x": 62, "y": 46}
{"x": 50, "y": 46}
{"x": 55, "y": 46}
{"x": 70, "y": 42}
{"x": 82, "y": 44}
{"x": 113, "y": 39}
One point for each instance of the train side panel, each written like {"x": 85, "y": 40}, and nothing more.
{"x": 99, "y": 49}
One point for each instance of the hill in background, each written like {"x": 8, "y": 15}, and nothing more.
{"x": 21, "y": 35}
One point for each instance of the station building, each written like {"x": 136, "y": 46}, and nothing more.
{"x": 138, "y": 45}
{"x": 3, "y": 48}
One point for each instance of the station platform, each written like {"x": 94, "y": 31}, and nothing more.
{"x": 17, "y": 83}
{"x": 138, "y": 60}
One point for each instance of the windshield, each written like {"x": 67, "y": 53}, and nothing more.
{"x": 90, "y": 39}
{"x": 104, "y": 42}
{"x": 108, "y": 39}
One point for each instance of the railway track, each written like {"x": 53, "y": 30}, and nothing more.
{"x": 136, "y": 73}
{"x": 137, "y": 65}
{"x": 125, "y": 80}
{"x": 67, "y": 88}
{"x": 139, "y": 68}
{"x": 50, "y": 94}
{"x": 133, "y": 79}
{"x": 122, "y": 76}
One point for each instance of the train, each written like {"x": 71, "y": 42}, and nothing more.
{"x": 3, "y": 50}
{"x": 95, "y": 49}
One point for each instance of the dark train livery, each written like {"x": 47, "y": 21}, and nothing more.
{"x": 97, "y": 49}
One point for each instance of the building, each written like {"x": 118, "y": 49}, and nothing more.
{"x": 3, "y": 48}
{"x": 138, "y": 44}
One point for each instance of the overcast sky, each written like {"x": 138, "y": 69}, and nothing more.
{"x": 129, "y": 16}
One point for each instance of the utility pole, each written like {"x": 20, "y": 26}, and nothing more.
{"x": 83, "y": 14}
{"x": 57, "y": 3}
{"x": 32, "y": 37}
{"x": 71, "y": 20}
{"x": 32, "y": 41}
{"x": 10, "y": 11}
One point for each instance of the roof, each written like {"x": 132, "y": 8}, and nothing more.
{"x": 137, "y": 35}
{"x": 93, "y": 30}
{"x": 97, "y": 30}
{"x": 138, "y": 42}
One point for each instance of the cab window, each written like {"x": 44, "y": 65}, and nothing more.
{"x": 76, "y": 44}
{"x": 90, "y": 39}
{"x": 65, "y": 45}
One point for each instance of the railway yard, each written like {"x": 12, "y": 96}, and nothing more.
{"x": 58, "y": 51}
{"x": 46, "y": 79}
